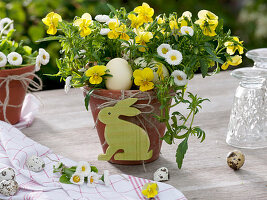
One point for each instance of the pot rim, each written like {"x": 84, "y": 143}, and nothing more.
{"x": 17, "y": 69}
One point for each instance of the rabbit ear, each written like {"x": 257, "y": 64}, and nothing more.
{"x": 123, "y": 107}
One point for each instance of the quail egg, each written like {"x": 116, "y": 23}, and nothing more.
{"x": 35, "y": 163}
{"x": 9, "y": 187}
{"x": 7, "y": 174}
{"x": 235, "y": 159}
{"x": 161, "y": 174}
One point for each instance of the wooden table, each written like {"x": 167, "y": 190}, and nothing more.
{"x": 67, "y": 128}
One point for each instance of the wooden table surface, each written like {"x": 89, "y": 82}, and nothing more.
{"x": 67, "y": 128}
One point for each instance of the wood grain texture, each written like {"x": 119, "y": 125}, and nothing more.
{"x": 68, "y": 129}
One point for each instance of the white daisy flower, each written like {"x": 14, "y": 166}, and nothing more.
{"x": 174, "y": 57}
{"x": 3, "y": 59}
{"x": 83, "y": 168}
{"x": 14, "y": 58}
{"x": 92, "y": 179}
{"x": 68, "y": 86}
{"x": 102, "y": 18}
{"x": 77, "y": 179}
{"x": 3, "y": 23}
{"x": 38, "y": 63}
{"x": 106, "y": 178}
{"x": 163, "y": 49}
{"x": 104, "y": 31}
{"x": 186, "y": 30}
{"x": 44, "y": 56}
{"x": 180, "y": 78}
{"x": 187, "y": 14}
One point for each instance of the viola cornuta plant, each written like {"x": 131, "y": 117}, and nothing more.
{"x": 163, "y": 52}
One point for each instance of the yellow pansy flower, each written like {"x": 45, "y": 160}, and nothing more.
{"x": 83, "y": 23}
{"x": 95, "y": 73}
{"x": 117, "y": 30}
{"x": 143, "y": 78}
{"x": 207, "y": 22}
{"x": 160, "y": 20}
{"x": 233, "y": 46}
{"x": 122, "y": 31}
{"x": 145, "y": 12}
{"x": 136, "y": 21}
{"x": 51, "y": 20}
{"x": 234, "y": 60}
{"x": 173, "y": 24}
{"x": 142, "y": 38}
{"x": 150, "y": 190}
{"x": 160, "y": 71}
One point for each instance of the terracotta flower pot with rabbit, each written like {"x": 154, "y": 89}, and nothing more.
{"x": 128, "y": 132}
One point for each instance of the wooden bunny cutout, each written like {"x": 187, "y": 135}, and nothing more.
{"x": 121, "y": 134}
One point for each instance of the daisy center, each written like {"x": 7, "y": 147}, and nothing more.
{"x": 173, "y": 58}
{"x": 91, "y": 179}
{"x": 76, "y": 179}
{"x": 187, "y": 32}
{"x": 44, "y": 57}
{"x": 83, "y": 168}
{"x": 179, "y": 78}
{"x": 1, "y": 59}
{"x": 164, "y": 50}
{"x": 15, "y": 58}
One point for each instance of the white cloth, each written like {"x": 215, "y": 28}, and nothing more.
{"x": 15, "y": 148}
{"x": 29, "y": 109}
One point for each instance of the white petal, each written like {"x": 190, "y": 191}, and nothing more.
{"x": 3, "y": 59}
{"x": 3, "y": 23}
{"x": 14, "y": 58}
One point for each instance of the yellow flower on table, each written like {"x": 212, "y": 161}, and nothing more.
{"x": 233, "y": 46}
{"x": 142, "y": 38}
{"x": 234, "y": 60}
{"x": 143, "y": 78}
{"x": 95, "y": 73}
{"x": 136, "y": 21}
{"x": 207, "y": 22}
{"x": 51, "y": 20}
{"x": 83, "y": 23}
{"x": 150, "y": 190}
{"x": 145, "y": 12}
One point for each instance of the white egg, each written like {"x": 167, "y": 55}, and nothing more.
{"x": 154, "y": 66}
{"x": 7, "y": 174}
{"x": 9, "y": 187}
{"x": 121, "y": 73}
{"x": 35, "y": 163}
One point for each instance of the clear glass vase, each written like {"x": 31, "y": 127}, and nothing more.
{"x": 248, "y": 120}
{"x": 259, "y": 56}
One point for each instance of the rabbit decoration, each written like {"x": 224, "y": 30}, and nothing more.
{"x": 124, "y": 135}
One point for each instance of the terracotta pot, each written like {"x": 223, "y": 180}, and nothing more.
{"x": 16, "y": 93}
{"x": 154, "y": 136}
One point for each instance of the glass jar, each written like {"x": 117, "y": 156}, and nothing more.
{"x": 248, "y": 121}
{"x": 259, "y": 56}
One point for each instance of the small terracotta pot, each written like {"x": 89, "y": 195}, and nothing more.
{"x": 154, "y": 136}
{"x": 16, "y": 93}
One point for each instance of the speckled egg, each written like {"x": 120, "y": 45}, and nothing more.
{"x": 235, "y": 159}
{"x": 162, "y": 174}
{"x": 7, "y": 174}
{"x": 9, "y": 187}
{"x": 35, "y": 163}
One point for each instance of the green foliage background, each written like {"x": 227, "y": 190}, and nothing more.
{"x": 247, "y": 19}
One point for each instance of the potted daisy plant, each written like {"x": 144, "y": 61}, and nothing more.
{"x": 17, "y": 66}
{"x": 135, "y": 66}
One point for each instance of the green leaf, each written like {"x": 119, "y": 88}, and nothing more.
{"x": 68, "y": 172}
{"x": 168, "y": 138}
{"x": 64, "y": 179}
{"x": 204, "y": 67}
{"x": 112, "y": 8}
{"x": 87, "y": 98}
{"x": 94, "y": 169}
{"x": 181, "y": 151}
{"x": 51, "y": 38}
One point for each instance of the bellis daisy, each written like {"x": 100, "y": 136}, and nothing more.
{"x": 83, "y": 167}
{"x": 102, "y": 18}
{"x": 92, "y": 179}
{"x": 186, "y": 30}
{"x": 44, "y": 56}
{"x": 3, "y": 59}
{"x": 104, "y": 31}
{"x": 180, "y": 78}
{"x": 174, "y": 57}
{"x": 14, "y": 58}
{"x": 38, "y": 63}
{"x": 77, "y": 179}
{"x": 3, "y": 23}
{"x": 163, "y": 49}
{"x": 67, "y": 84}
